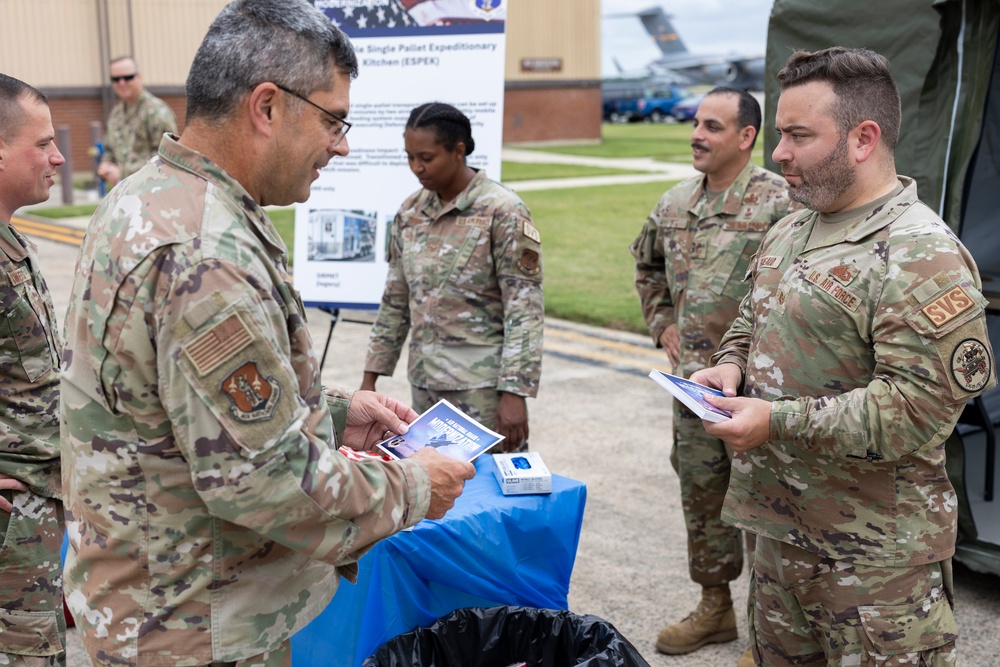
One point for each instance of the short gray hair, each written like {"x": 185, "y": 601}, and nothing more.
{"x": 288, "y": 42}
{"x": 12, "y": 91}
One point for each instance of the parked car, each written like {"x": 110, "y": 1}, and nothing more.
{"x": 646, "y": 99}
{"x": 686, "y": 108}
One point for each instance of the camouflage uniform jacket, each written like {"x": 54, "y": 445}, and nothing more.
{"x": 466, "y": 277}
{"x": 691, "y": 257}
{"x": 209, "y": 512}
{"x": 869, "y": 344}
{"x": 134, "y": 132}
{"x": 29, "y": 357}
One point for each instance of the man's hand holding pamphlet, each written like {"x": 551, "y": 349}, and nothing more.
{"x": 691, "y": 394}
{"x": 445, "y": 428}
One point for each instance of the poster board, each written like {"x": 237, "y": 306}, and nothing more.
{"x": 409, "y": 52}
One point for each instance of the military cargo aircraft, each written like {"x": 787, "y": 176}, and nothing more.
{"x": 735, "y": 70}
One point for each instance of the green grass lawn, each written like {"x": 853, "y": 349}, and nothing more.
{"x": 529, "y": 171}
{"x": 585, "y": 236}
{"x": 666, "y": 142}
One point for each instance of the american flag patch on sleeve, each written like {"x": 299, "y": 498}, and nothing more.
{"x": 218, "y": 344}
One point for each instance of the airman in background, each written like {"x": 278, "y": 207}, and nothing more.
{"x": 691, "y": 260}
{"x": 137, "y": 123}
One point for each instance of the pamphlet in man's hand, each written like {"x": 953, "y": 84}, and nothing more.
{"x": 447, "y": 429}
{"x": 691, "y": 394}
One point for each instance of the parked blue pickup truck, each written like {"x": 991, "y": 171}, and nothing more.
{"x": 644, "y": 99}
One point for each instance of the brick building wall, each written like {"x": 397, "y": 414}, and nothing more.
{"x": 564, "y": 113}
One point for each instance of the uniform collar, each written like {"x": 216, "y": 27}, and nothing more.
{"x": 870, "y": 218}
{"x": 182, "y": 157}
{"x": 729, "y": 202}
{"x": 434, "y": 208}
{"x": 10, "y": 243}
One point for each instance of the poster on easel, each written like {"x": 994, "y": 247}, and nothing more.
{"x": 409, "y": 52}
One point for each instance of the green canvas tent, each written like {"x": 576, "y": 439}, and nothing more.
{"x": 945, "y": 60}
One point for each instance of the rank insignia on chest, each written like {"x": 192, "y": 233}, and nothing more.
{"x": 751, "y": 199}
{"x": 18, "y": 276}
{"x": 970, "y": 365}
{"x": 844, "y": 273}
{"x": 254, "y": 397}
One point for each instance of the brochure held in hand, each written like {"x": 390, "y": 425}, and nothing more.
{"x": 446, "y": 428}
{"x": 690, "y": 394}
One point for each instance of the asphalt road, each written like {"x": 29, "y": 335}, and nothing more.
{"x": 598, "y": 419}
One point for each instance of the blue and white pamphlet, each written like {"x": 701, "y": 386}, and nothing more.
{"x": 447, "y": 429}
{"x": 691, "y": 394}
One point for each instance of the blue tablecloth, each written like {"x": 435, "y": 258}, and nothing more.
{"x": 489, "y": 550}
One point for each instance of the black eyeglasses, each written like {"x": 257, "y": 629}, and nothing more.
{"x": 124, "y": 77}
{"x": 338, "y": 129}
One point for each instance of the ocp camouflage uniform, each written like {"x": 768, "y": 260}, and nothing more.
{"x": 32, "y": 625}
{"x": 210, "y": 515}
{"x": 465, "y": 279}
{"x": 691, "y": 258}
{"x": 868, "y": 342}
{"x": 134, "y": 133}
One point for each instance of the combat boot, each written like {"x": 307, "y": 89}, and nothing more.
{"x": 712, "y": 622}
{"x": 746, "y": 660}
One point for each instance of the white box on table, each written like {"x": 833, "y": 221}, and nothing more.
{"x": 521, "y": 473}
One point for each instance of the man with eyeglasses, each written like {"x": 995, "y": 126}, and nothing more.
{"x": 135, "y": 126}
{"x": 210, "y": 514}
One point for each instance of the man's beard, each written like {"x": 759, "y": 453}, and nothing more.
{"x": 825, "y": 183}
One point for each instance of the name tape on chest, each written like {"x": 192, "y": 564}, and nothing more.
{"x": 769, "y": 262}
{"x": 218, "y": 344}
{"x": 834, "y": 289}
{"x": 474, "y": 221}
{"x": 746, "y": 225}
{"x": 948, "y": 306}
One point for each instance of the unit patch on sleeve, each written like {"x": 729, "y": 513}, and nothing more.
{"x": 254, "y": 397}
{"x": 528, "y": 262}
{"x": 970, "y": 365}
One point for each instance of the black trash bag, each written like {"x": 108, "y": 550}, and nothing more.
{"x": 504, "y": 636}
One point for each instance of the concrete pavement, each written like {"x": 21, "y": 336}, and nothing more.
{"x": 655, "y": 171}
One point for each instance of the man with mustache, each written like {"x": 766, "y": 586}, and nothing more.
{"x": 691, "y": 258}
{"x": 861, "y": 340}
{"x": 210, "y": 514}
{"x": 32, "y": 625}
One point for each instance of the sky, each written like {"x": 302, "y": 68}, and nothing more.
{"x": 709, "y": 27}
